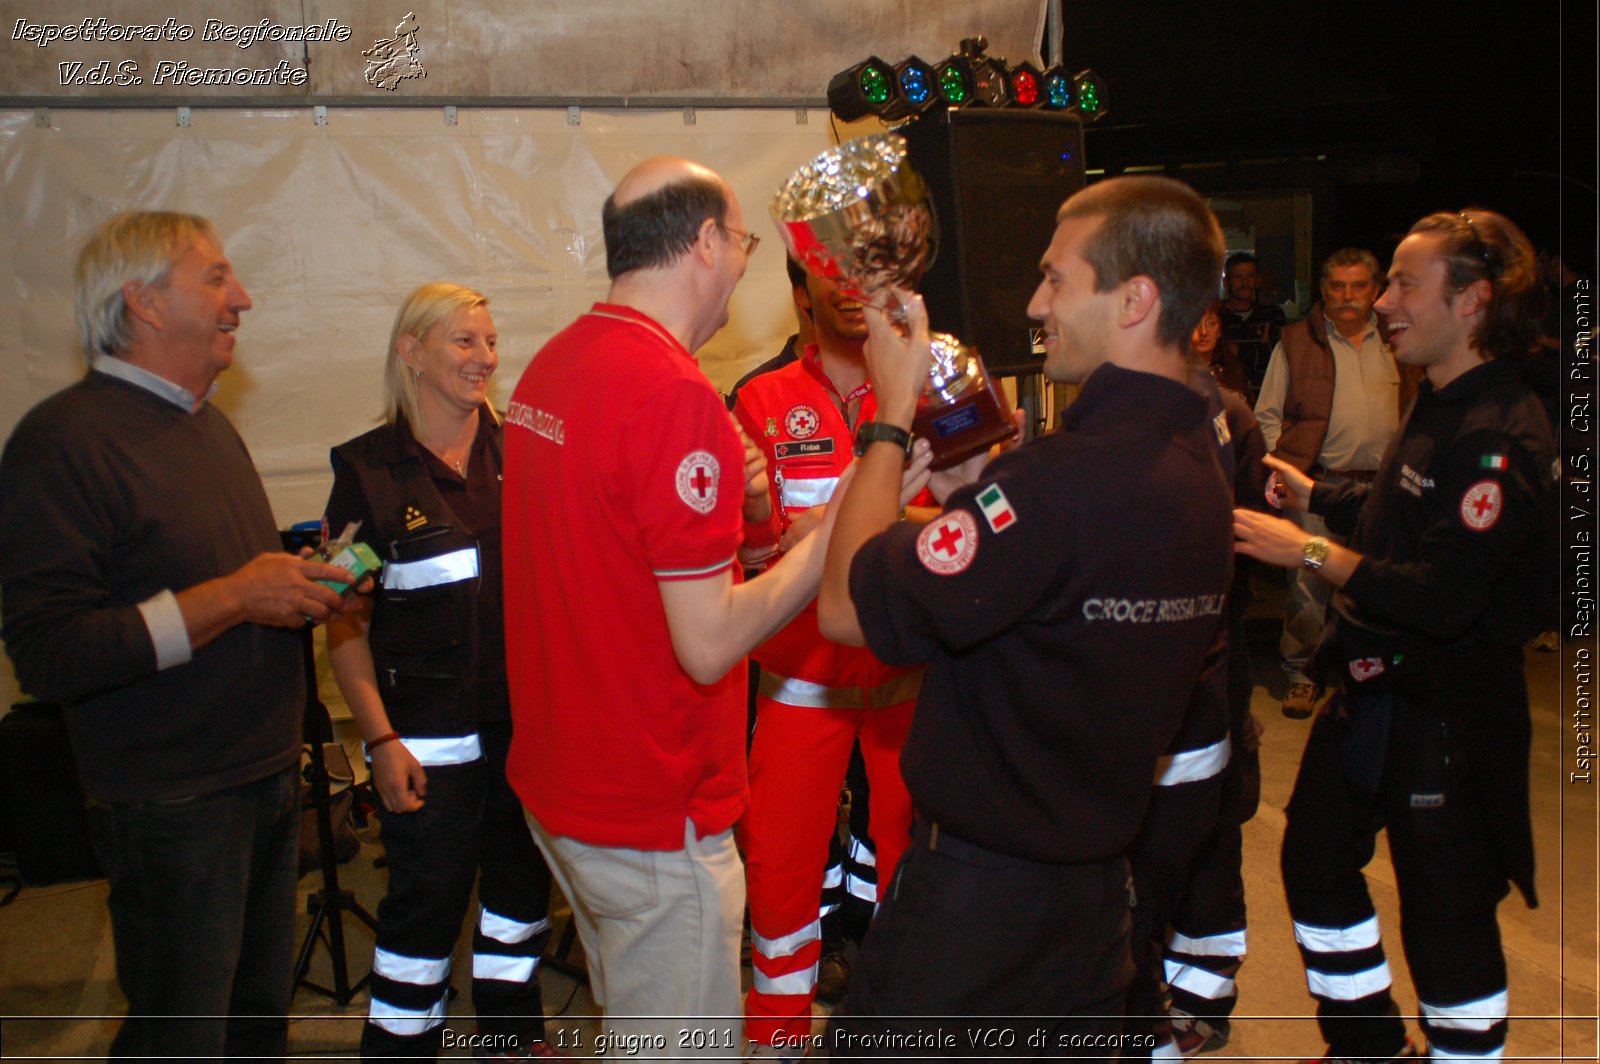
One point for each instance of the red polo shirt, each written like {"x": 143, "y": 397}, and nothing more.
{"x": 622, "y": 470}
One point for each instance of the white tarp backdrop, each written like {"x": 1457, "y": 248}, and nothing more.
{"x": 329, "y": 219}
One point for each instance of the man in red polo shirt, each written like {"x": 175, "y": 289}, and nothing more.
{"x": 627, "y": 624}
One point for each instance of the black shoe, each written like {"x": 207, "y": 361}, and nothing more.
{"x": 833, "y": 978}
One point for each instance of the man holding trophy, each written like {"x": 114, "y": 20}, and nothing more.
{"x": 1062, "y": 602}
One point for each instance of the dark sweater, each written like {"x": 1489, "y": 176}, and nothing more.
{"x": 108, "y": 495}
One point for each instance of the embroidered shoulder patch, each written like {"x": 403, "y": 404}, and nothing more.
{"x": 948, "y": 545}
{"x": 1481, "y": 505}
{"x": 996, "y": 508}
{"x": 697, "y": 481}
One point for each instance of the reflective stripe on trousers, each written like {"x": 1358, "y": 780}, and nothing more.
{"x": 428, "y": 974}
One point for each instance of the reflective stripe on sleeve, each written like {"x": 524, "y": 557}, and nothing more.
{"x": 449, "y": 568}
{"x": 1187, "y": 766}
{"x": 450, "y": 750}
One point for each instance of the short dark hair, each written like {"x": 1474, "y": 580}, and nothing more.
{"x": 797, "y": 272}
{"x": 654, "y": 229}
{"x": 1481, "y": 245}
{"x": 1237, "y": 258}
{"x": 1158, "y": 228}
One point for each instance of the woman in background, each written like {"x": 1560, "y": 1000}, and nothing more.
{"x": 423, "y": 671}
{"x": 1208, "y": 347}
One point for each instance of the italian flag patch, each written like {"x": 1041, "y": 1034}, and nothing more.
{"x": 1493, "y": 461}
{"x": 996, "y": 508}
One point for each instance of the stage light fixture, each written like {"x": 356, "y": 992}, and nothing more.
{"x": 917, "y": 84}
{"x": 864, "y": 89}
{"x": 990, "y": 86}
{"x": 953, "y": 80}
{"x": 1027, "y": 85}
{"x": 1091, "y": 95}
{"x": 1058, "y": 94}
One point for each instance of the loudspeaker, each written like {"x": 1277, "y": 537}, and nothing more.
{"x": 996, "y": 178}
{"x": 49, "y": 824}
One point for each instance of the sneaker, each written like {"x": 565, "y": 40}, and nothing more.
{"x": 1195, "y": 1036}
{"x": 833, "y": 978}
{"x": 1547, "y": 641}
{"x": 1408, "y": 1051}
{"x": 1301, "y": 701}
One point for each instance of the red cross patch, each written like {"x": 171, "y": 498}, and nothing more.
{"x": 1481, "y": 505}
{"x": 948, "y": 545}
{"x": 801, "y": 422}
{"x": 697, "y": 481}
{"x": 1364, "y": 669}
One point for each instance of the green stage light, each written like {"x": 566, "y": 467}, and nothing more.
{"x": 1091, "y": 95}
{"x": 953, "y": 78}
{"x": 867, "y": 88}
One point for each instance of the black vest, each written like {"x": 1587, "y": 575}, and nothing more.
{"x": 424, "y": 632}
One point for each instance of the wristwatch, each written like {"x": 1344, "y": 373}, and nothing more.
{"x": 1314, "y": 553}
{"x": 881, "y": 431}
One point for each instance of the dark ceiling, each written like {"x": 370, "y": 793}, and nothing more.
{"x": 1386, "y": 110}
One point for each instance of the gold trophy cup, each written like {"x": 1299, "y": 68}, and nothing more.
{"x": 859, "y": 215}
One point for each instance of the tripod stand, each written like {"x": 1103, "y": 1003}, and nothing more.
{"x": 327, "y": 905}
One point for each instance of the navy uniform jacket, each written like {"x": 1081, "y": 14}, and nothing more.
{"x": 1064, "y": 603}
{"x": 1457, "y": 534}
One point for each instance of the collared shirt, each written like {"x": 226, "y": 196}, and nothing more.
{"x": 1365, "y": 413}
{"x": 169, "y": 634}
{"x": 175, "y": 394}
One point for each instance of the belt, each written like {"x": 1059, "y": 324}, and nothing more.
{"x": 1360, "y": 476}
{"x": 930, "y": 834}
{"x": 804, "y": 693}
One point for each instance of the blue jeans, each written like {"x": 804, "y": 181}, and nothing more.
{"x": 203, "y": 914}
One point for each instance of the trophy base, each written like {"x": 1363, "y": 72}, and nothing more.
{"x": 970, "y": 425}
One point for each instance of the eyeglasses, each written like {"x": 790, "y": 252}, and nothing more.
{"x": 747, "y": 240}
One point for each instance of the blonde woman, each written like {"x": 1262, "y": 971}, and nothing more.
{"x": 423, "y": 670}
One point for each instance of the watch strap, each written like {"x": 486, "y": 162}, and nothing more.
{"x": 881, "y": 432}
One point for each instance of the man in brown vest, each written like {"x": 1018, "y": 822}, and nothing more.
{"x": 1331, "y": 400}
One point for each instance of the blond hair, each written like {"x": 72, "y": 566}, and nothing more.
{"x": 426, "y": 308}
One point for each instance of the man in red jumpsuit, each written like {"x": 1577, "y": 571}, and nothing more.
{"x": 816, "y": 697}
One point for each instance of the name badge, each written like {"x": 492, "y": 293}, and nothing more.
{"x": 802, "y": 448}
